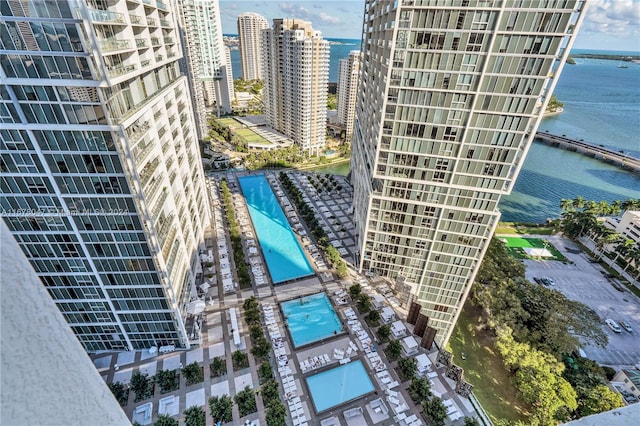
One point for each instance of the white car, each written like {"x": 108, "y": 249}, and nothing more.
{"x": 613, "y": 325}
{"x": 626, "y": 326}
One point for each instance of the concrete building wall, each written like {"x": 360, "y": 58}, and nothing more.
{"x": 47, "y": 377}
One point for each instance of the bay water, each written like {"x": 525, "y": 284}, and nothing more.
{"x": 601, "y": 106}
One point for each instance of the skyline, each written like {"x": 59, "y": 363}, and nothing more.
{"x": 608, "y": 25}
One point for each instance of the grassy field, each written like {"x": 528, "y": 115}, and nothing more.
{"x": 484, "y": 370}
{"x": 250, "y": 136}
{"x": 229, "y": 122}
{"x": 516, "y": 246}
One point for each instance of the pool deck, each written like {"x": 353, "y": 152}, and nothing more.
{"x": 213, "y": 335}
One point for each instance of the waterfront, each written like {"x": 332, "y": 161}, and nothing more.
{"x": 601, "y": 106}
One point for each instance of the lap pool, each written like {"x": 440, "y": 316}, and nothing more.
{"x": 339, "y": 385}
{"x": 284, "y": 256}
{"x": 310, "y": 319}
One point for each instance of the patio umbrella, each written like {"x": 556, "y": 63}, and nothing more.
{"x": 196, "y": 307}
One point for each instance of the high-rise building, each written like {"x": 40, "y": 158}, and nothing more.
{"x": 250, "y": 26}
{"x": 207, "y": 60}
{"x": 102, "y": 183}
{"x": 348, "y": 69}
{"x": 296, "y": 76}
{"x": 451, "y": 94}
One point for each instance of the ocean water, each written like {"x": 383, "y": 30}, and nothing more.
{"x": 601, "y": 106}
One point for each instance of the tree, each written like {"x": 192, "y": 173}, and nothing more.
{"x": 600, "y": 399}
{"x": 364, "y": 303}
{"x": 265, "y": 372}
{"x": 167, "y": 380}
{"x": 270, "y": 391}
{"x": 276, "y": 414}
{"x": 420, "y": 389}
{"x": 165, "y": 420}
{"x": 373, "y": 318}
{"x": 218, "y": 367}
{"x": 355, "y": 290}
{"x": 435, "y": 411}
{"x": 193, "y": 373}
{"x": 393, "y": 350}
{"x": 383, "y": 332}
{"x": 246, "y": 401}
{"x": 240, "y": 360}
{"x": 119, "y": 392}
{"x": 194, "y": 416}
{"x": 471, "y": 421}
{"x": 538, "y": 377}
{"x": 221, "y": 408}
{"x": 408, "y": 367}
{"x": 141, "y": 385}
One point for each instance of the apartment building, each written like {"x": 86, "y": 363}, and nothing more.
{"x": 102, "y": 183}
{"x": 348, "y": 70}
{"x": 450, "y": 96}
{"x": 295, "y": 62}
{"x": 250, "y": 26}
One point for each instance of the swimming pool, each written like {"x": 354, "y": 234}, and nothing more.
{"x": 310, "y": 319}
{"x": 339, "y": 385}
{"x": 284, "y": 256}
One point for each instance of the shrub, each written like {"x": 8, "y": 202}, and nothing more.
{"x": 383, "y": 332}
{"x": 276, "y": 414}
{"x": 119, "y": 392}
{"x": 407, "y": 368}
{"x": 165, "y": 420}
{"x": 393, "y": 350}
{"x": 265, "y": 372}
{"x": 142, "y": 386}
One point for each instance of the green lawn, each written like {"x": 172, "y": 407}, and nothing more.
{"x": 517, "y": 244}
{"x": 250, "y": 136}
{"x": 228, "y": 122}
{"x": 484, "y": 370}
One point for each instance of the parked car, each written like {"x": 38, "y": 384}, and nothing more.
{"x": 537, "y": 280}
{"x": 613, "y": 325}
{"x": 626, "y": 326}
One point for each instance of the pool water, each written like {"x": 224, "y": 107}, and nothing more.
{"x": 282, "y": 252}
{"x": 310, "y": 319}
{"x": 339, "y": 385}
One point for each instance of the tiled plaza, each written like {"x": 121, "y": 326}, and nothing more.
{"x": 219, "y": 329}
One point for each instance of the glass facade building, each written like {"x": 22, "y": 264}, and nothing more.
{"x": 102, "y": 183}
{"x": 450, "y": 96}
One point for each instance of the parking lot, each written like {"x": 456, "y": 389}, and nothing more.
{"x": 586, "y": 282}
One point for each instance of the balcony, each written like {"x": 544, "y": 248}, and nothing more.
{"x": 106, "y": 16}
{"x": 155, "y": 41}
{"x": 169, "y": 40}
{"x": 161, "y": 5}
{"x": 136, "y": 20}
{"x": 165, "y": 23}
{"x": 119, "y": 70}
{"x": 152, "y": 22}
{"x": 112, "y": 44}
{"x": 141, "y": 43}
{"x": 145, "y": 63}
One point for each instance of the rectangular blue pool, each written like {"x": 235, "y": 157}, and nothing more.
{"x": 339, "y": 385}
{"x": 310, "y": 319}
{"x": 284, "y": 256}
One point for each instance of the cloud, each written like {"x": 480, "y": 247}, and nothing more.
{"x": 328, "y": 19}
{"x": 614, "y": 17}
{"x": 294, "y": 11}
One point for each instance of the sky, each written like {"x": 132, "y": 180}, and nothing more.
{"x": 608, "y": 25}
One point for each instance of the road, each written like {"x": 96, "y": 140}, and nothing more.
{"x": 586, "y": 282}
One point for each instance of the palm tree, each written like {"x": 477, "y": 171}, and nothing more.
{"x": 566, "y": 204}
{"x": 623, "y": 248}
{"x": 616, "y": 208}
{"x": 630, "y": 204}
{"x": 578, "y": 202}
